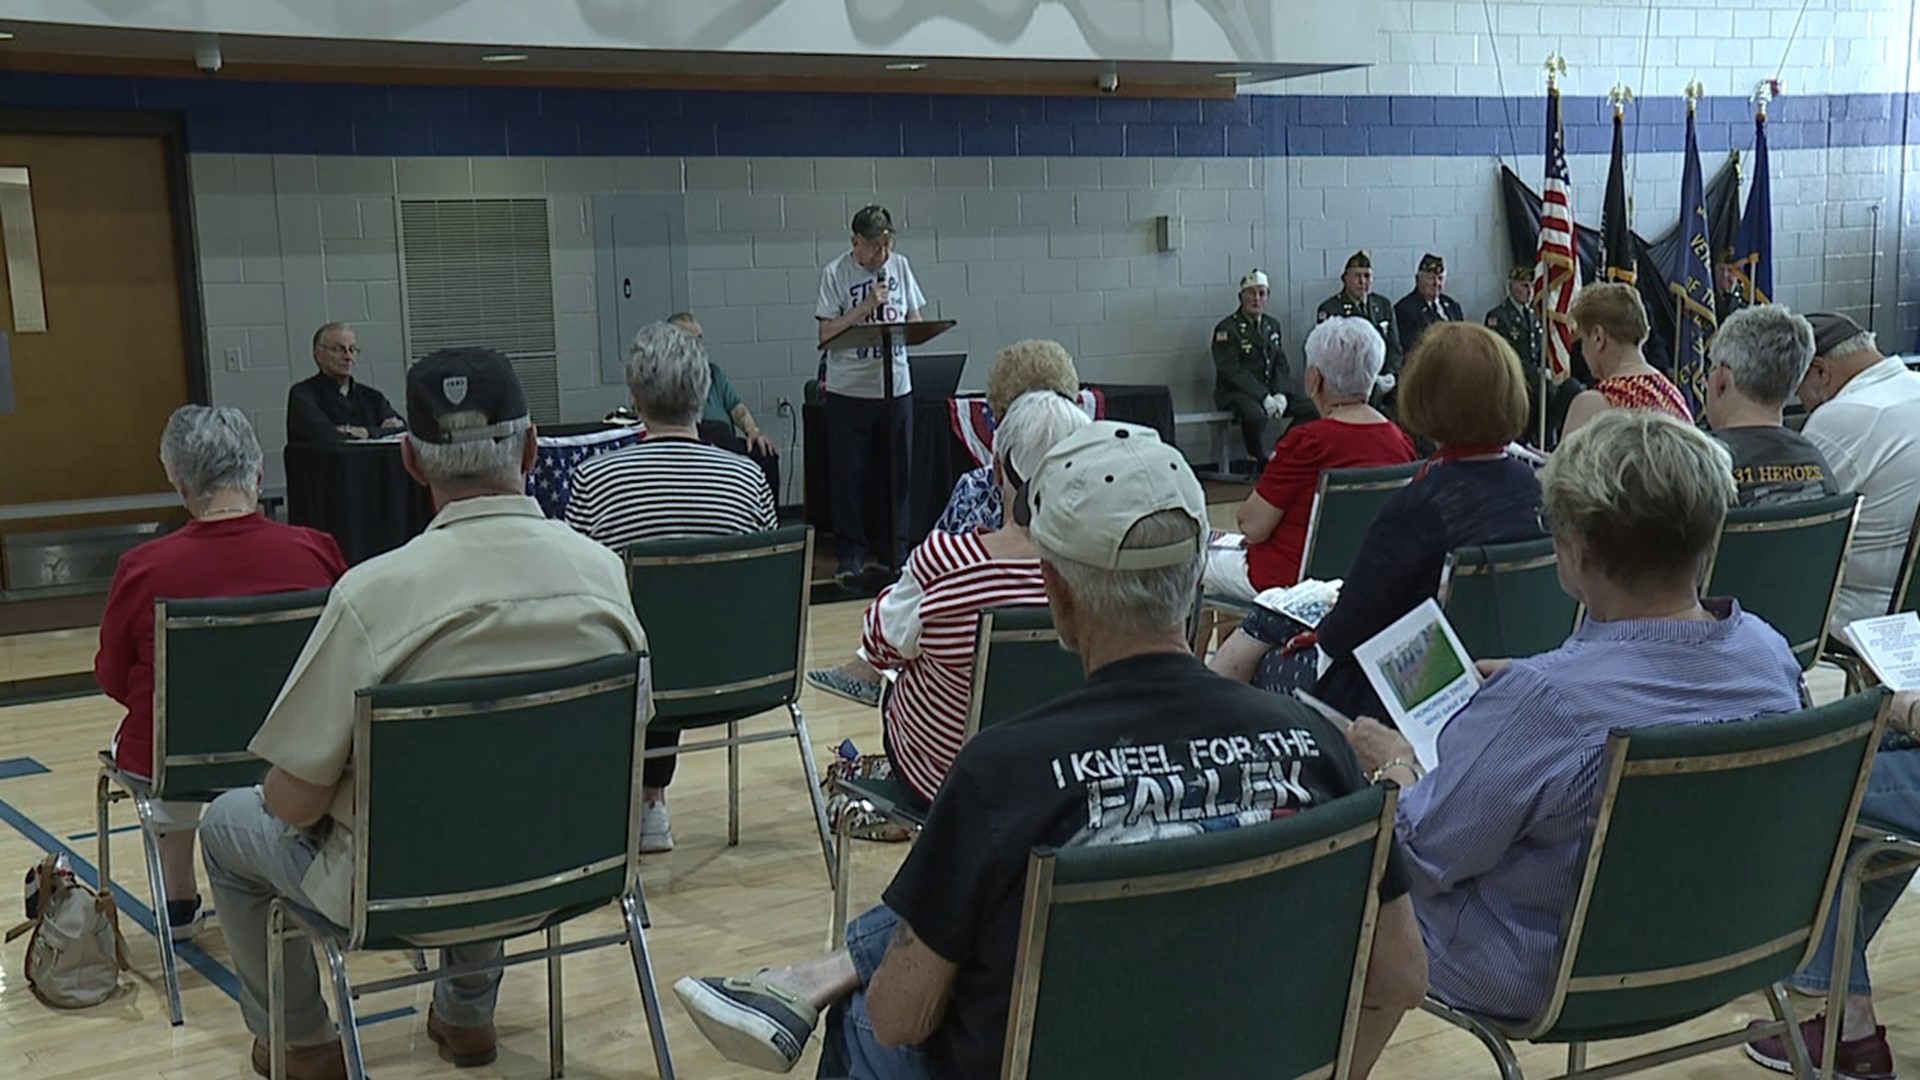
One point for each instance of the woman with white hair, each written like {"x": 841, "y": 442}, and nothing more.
{"x": 1344, "y": 357}
{"x": 212, "y": 459}
{"x": 923, "y": 625}
{"x": 668, "y": 485}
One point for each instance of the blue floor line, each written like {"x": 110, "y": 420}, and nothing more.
{"x": 90, "y": 833}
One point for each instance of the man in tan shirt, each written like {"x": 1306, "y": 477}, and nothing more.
{"x": 492, "y": 586}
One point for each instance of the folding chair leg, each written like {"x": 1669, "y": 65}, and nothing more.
{"x": 842, "y": 879}
{"x": 649, "y": 993}
{"x": 1495, "y": 1043}
{"x": 419, "y": 959}
{"x": 819, "y": 798}
{"x": 556, "y": 1016}
{"x": 343, "y": 1005}
{"x": 1576, "y": 1058}
{"x": 1847, "y": 925}
{"x": 733, "y": 785}
{"x": 1796, "y": 1046}
{"x": 277, "y": 991}
{"x": 157, "y": 882}
{"x": 103, "y": 860}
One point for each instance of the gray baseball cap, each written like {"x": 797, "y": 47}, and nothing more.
{"x": 1096, "y": 484}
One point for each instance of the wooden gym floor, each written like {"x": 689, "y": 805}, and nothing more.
{"x": 716, "y": 910}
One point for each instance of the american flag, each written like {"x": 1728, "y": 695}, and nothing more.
{"x": 551, "y": 481}
{"x": 1556, "y": 268}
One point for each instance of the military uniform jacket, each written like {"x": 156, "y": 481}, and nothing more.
{"x": 1414, "y": 316}
{"x": 1375, "y": 309}
{"x": 1247, "y": 358}
{"x": 1726, "y": 303}
{"x": 1521, "y": 327}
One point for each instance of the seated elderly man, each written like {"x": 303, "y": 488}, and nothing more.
{"x": 923, "y": 626}
{"x": 1494, "y": 834}
{"x": 975, "y": 504}
{"x": 922, "y": 987}
{"x": 1759, "y": 357}
{"x": 1343, "y": 360}
{"x": 491, "y": 587}
{"x": 229, "y": 549}
{"x": 1864, "y": 415}
{"x": 669, "y": 484}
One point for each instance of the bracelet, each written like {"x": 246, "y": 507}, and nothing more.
{"x": 1380, "y": 773}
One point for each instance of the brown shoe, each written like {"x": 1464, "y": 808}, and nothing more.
{"x": 466, "y": 1047}
{"x": 324, "y": 1062}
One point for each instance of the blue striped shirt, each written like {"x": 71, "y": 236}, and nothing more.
{"x": 1493, "y": 836}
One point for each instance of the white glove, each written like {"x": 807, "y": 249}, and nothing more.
{"x": 1275, "y": 405}
{"x": 1385, "y": 382}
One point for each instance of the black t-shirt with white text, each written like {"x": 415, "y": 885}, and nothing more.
{"x": 1153, "y": 747}
{"x": 1773, "y": 465}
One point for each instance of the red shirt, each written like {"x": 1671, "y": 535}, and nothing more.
{"x": 242, "y": 556}
{"x": 1292, "y": 477}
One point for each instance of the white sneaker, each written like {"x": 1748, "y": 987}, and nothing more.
{"x": 656, "y": 829}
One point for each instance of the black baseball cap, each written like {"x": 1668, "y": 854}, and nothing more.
{"x": 1831, "y": 330}
{"x": 467, "y": 380}
{"x": 872, "y": 222}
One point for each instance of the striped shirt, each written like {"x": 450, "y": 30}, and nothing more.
{"x": 1494, "y": 835}
{"x": 668, "y": 487}
{"x": 923, "y": 626}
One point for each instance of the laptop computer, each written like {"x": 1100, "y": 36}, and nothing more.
{"x": 937, "y": 375}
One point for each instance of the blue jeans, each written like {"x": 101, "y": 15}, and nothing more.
{"x": 849, "y": 1050}
{"x": 1892, "y": 802}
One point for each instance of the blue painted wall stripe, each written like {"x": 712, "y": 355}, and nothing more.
{"x": 226, "y": 116}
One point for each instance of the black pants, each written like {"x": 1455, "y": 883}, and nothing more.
{"x": 856, "y": 453}
{"x": 1252, "y": 416}
{"x": 658, "y": 772}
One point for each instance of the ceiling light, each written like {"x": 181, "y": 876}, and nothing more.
{"x": 906, "y": 65}
{"x": 1233, "y": 74}
{"x": 503, "y": 58}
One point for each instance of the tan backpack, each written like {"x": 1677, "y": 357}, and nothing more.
{"x": 76, "y": 953}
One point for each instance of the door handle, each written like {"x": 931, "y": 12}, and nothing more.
{"x": 626, "y": 288}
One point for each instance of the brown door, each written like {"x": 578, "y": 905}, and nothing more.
{"x": 92, "y": 393}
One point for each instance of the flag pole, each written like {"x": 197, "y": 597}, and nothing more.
{"x": 1555, "y": 66}
{"x": 1695, "y": 90}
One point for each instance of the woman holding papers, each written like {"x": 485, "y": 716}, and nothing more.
{"x": 1493, "y": 835}
{"x": 1463, "y": 389}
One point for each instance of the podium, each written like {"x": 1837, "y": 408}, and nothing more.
{"x": 885, "y": 337}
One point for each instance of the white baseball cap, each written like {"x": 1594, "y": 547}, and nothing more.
{"x": 1254, "y": 277}
{"x": 1096, "y": 484}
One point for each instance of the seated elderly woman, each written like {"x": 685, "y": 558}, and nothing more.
{"x": 1611, "y": 325}
{"x": 1021, "y": 368}
{"x": 1343, "y": 360}
{"x": 1463, "y": 389}
{"x": 229, "y": 549}
{"x": 923, "y": 625}
{"x": 668, "y": 485}
{"x": 1493, "y": 835}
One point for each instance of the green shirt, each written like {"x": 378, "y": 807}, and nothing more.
{"x": 1248, "y": 360}
{"x": 1521, "y": 327}
{"x": 1377, "y": 310}
{"x": 721, "y": 400}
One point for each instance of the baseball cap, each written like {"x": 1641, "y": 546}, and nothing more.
{"x": 468, "y": 380}
{"x": 872, "y": 222}
{"x": 1096, "y": 484}
{"x": 1831, "y": 329}
{"x": 1432, "y": 264}
{"x": 1253, "y": 278}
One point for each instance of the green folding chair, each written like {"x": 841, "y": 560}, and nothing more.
{"x": 1018, "y": 666}
{"x": 1505, "y": 600}
{"x": 726, "y": 622}
{"x": 1670, "y": 923}
{"x": 1295, "y": 900}
{"x": 481, "y": 803}
{"x": 218, "y": 666}
{"x": 1783, "y": 563}
{"x": 1906, "y": 597}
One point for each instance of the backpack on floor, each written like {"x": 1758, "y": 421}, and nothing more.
{"x": 76, "y": 953}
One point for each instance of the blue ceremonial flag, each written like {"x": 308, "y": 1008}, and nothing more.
{"x": 1691, "y": 280}
{"x": 1753, "y": 245}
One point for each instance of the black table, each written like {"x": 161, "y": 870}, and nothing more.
{"x": 358, "y": 492}
{"x": 940, "y": 458}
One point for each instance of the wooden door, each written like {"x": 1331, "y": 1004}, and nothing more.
{"x": 93, "y": 392}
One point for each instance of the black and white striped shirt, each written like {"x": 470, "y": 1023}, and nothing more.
{"x": 668, "y": 487}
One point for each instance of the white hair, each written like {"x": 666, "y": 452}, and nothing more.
{"x": 1864, "y": 341}
{"x": 1767, "y": 348}
{"x": 1035, "y": 421}
{"x": 1348, "y": 352}
{"x": 205, "y": 449}
{"x": 1137, "y": 603}
{"x": 667, "y": 375}
{"x": 475, "y": 463}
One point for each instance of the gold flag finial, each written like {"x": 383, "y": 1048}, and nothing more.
{"x": 1620, "y": 97}
{"x": 1695, "y": 91}
{"x": 1555, "y": 67}
{"x": 1764, "y": 92}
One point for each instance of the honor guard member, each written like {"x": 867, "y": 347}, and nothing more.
{"x": 1727, "y": 295}
{"x": 1427, "y": 303}
{"x": 1249, "y": 366}
{"x": 1356, "y": 300}
{"x": 1517, "y": 321}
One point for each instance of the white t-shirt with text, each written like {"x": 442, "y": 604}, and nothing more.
{"x": 844, "y": 284}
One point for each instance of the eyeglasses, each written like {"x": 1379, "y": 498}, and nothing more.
{"x": 342, "y": 350}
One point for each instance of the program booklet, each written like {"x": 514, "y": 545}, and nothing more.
{"x": 1890, "y": 644}
{"x": 1422, "y": 674}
